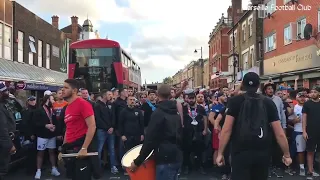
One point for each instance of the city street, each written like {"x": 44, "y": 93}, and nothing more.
{"x": 194, "y": 176}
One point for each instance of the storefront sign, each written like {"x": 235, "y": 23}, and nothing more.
{"x": 40, "y": 87}
{"x": 304, "y": 58}
{"x": 20, "y": 85}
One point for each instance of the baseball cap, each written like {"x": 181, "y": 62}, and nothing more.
{"x": 31, "y": 98}
{"x": 316, "y": 88}
{"x": 47, "y": 92}
{"x": 3, "y": 87}
{"x": 300, "y": 94}
{"x": 219, "y": 94}
{"x": 251, "y": 82}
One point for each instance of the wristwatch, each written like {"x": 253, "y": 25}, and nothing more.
{"x": 83, "y": 148}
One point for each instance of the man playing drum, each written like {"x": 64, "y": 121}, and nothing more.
{"x": 164, "y": 135}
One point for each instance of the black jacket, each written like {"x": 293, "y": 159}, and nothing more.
{"x": 103, "y": 115}
{"x": 131, "y": 122}
{"x": 5, "y": 140}
{"x": 117, "y": 107}
{"x": 41, "y": 120}
{"x": 164, "y": 129}
{"x": 27, "y": 121}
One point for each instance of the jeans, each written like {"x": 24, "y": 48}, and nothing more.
{"x": 104, "y": 136}
{"x": 167, "y": 171}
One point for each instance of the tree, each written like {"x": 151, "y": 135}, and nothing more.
{"x": 167, "y": 80}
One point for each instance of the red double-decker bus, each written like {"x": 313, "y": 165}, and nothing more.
{"x": 103, "y": 64}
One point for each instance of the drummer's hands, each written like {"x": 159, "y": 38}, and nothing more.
{"x": 82, "y": 153}
{"x": 133, "y": 167}
{"x": 123, "y": 138}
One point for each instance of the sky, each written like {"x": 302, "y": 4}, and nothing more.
{"x": 160, "y": 35}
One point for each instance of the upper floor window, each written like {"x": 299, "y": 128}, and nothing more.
{"x": 48, "y": 56}
{"x": 245, "y": 57}
{"x": 270, "y": 42}
{"x": 7, "y": 42}
{"x": 40, "y": 57}
{"x": 20, "y": 46}
{"x": 32, "y": 44}
{"x": 318, "y": 20}
{"x": 250, "y": 22}
{"x": 287, "y": 35}
{"x": 300, "y": 28}
{"x": 271, "y": 6}
{"x": 244, "y": 32}
{"x": 1, "y": 39}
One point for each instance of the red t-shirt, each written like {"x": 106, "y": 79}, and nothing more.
{"x": 75, "y": 116}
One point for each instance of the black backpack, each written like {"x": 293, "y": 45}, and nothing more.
{"x": 252, "y": 125}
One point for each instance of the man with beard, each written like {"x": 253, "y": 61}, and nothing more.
{"x": 6, "y": 145}
{"x": 277, "y": 168}
{"x": 194, "y": 132}
{"x": 310, "y": 127}
{"x": 58, "y": 106}
{"x": 149, "y": 106}
{"x": 105, "y": 128}
{"x": 80, "y": 131}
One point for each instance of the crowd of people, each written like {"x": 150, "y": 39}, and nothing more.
{"x": 254, "y": 130}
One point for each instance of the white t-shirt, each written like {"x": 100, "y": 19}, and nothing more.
{"x": 298, "y": 113}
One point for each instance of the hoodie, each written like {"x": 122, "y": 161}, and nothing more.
{"x": 280, "y": 107}
{"x": 164, "y": 128}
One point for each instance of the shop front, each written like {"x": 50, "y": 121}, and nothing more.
{"x": 218, "y": 81}
{"x": 24, "y": 80}
{"x": 302, "y": 64}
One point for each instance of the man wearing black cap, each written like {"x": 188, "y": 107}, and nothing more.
{"x": 247, "y": 123}
{"x": 310, "y": 128}
{"x": 6, "y": 130}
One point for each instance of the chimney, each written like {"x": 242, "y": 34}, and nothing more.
{"x": 237, "y": 6}
{"x": 230, "y": 12}
{"x": 55, "y": 21}
{"x": 74, "y": 34}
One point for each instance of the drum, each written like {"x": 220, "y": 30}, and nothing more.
{"x": 147, "y": 171}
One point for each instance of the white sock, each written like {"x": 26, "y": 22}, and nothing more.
{"x": 301, "y": 166}
{"x": 39, "y": 170}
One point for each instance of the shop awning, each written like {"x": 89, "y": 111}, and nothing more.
{"x": 14, "y": 71}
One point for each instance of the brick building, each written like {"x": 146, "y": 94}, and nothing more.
{"x": 248, "y": 34}
{"x": 6, "y": 23}
{"x": 72, "y": 31}
{"x": 287, "y": 54}
{"x": 219, "y": 46}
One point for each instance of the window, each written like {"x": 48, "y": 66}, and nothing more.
{"x": 287, "y": 35}
{"x": 286, "y": 1}
{"x": 235, "y": 38}
{"x": 230, "y": 64}
{"x": 32, "y": 44}
{"x": 245, "y": 61}
{"x": 230, "y": 43}
{"x": 319, "y": 20}
{"x": 40, "y": 57}
{"x": 244, "y": 32}
{"x": 20, "y": 46}
{"x": 1, "y": 39}
{"x": 48, "y": 56}
{"x": 271, "y": 6}
{"x": 7, "y": 42}
{"x": 252, "y": 57}
{"x": 250, "y": 26}
{"x": 270, "y": 42}
{"x": 300, "y": 28}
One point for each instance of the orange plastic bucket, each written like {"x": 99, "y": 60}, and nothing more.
{"x": 147, "y": 171}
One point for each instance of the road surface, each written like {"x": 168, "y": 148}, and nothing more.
{"x": 20, "y": 175}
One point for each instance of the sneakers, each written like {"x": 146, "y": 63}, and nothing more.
{"x": 114, "y": 170}
{"x": 290, "y": 171}
{"x": 224, "y": 177}
{"x": 55, "y": 172}
{"x": 38, "y": 174}
{"x": 277, "y": 173}
{"x": 302, "y": 172}
{"x": 310, "y": 176}
{"x": 315, "y": 174}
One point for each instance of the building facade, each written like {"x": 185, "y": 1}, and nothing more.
{"x": 287, "y": 54}
{"x": 176, "y": 79}
{"x": 6, "y": 24}
{"x": 74, "y": 30}
{"x": 190, "y": 74}
{"x": 248, "y": 34}
{"x": 198, "y": 73}
{"x": 206, "y": 73}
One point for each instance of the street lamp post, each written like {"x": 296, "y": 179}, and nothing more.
{"x": 201, "y": 64}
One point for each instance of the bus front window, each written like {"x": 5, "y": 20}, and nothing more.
{"x": 96, "y": 68}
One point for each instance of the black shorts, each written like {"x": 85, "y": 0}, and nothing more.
{"x": 313, "y": 143}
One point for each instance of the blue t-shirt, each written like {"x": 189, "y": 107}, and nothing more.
{"x": 216, "y": 109}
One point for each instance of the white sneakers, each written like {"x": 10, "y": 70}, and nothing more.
{"x": 54, "y": 172}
